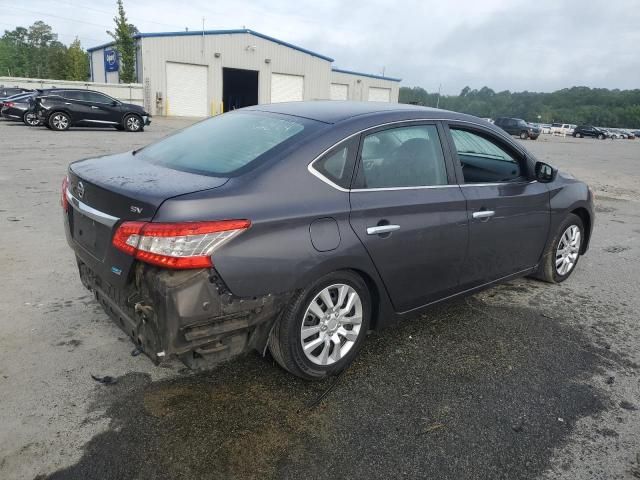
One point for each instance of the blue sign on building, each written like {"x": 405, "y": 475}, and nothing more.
{"x": 111, "y": 63}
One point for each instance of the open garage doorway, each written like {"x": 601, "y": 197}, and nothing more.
{"x": 239, "y": 88}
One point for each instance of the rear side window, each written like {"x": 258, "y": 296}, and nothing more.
{"x": 225, "y": 144}
{"x": 483, "y": 160}
{"x": 337, "y": 164}
{"x": 402, "y": 157}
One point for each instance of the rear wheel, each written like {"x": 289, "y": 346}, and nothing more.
{"x": 601, "y": 137}
{"x": 524, "y": 135}
{"x": 133, "y": 123}
{"x": 563, "y": 252}
{"x": 59, "y": 121}
{"x": 31, "y": 119}
{"x": 579, "y": 135}
{"x": 323, "y": 327}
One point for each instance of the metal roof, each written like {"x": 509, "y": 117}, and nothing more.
{"x": 380, "y": 77}
{"x": 218, "y": 32}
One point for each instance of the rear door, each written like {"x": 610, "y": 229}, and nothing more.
{"x": 508, "y": 213}
{"x": 409, "y": 213}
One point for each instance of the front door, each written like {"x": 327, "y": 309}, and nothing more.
{"x": 102, "y": 109}
{"x": 508, "y": 213}
{"x": 409, "y": 213}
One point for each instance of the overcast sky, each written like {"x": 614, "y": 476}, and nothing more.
{"x": 517, "y": 45}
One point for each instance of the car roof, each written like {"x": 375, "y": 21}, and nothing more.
{"x": 334, "y": 111}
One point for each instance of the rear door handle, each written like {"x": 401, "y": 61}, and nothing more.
{"x": 94, "y": 107}
{"x": 484, "y": 214}
{"x": 377, "y": 230}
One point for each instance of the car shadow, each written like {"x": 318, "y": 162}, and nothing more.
{"x": 475, "y": 388}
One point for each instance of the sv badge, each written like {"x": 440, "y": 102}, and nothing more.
{"x": 135, "y": 209}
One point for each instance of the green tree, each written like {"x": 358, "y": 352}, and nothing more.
{"x": 125, "y": 45}
{"x": 77, "y": 62}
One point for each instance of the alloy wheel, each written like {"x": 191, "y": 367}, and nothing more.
{"x": 60, "y": 121}
{"x": 332, "y": 324}
{"x": 568, "y": 250}
{"x": 133, "y": 124}
{"x": 32, "y": 120}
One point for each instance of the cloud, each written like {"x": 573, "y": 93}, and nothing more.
{"x": 537, "y": 45}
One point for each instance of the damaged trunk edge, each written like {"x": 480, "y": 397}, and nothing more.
{"x": 190, "y": 314}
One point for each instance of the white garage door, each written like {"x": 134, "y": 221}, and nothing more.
{"x": 377, "y": 94}
{"x": 339, "y": 91}
{"x": 286, "y": 88}
{"x": 186, "y": 90}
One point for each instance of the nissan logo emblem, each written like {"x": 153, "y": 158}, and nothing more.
{"x": 80, "y": 190}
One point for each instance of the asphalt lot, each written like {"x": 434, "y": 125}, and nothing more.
{"x": 526, "y": 380}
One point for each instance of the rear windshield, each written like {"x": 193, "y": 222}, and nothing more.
{"x": 226, "y": 144}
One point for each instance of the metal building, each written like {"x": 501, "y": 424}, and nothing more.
{"x": 214, "y": 71}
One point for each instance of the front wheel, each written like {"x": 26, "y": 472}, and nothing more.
{"x": 562, "y": 254}
{"x": 524, "y": 135}
{"x": 133, "y": 123}
{"x": 31, "y": 119}
{"x": 601, "y": 137}
{"x": 323, "y": 327}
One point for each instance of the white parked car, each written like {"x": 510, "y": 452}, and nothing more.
{"x": 563, "y": 129}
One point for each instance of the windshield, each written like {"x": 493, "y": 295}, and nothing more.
{"x": 225, "y": 144}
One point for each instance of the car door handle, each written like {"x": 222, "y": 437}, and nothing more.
{"x": 377, "y": 230}
{"x": 94, "y": 107}
{"x": 484, "y": 214}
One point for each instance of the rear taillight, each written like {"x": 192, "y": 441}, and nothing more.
{"x": 63, "y": 200}
{"x": 9, "y": 104}
{"x": 176, "y": 245}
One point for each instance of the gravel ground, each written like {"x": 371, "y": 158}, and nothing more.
{"x": 525, "y": 380}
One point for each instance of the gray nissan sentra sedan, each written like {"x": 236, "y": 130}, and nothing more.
{"x": 299, "y": 227}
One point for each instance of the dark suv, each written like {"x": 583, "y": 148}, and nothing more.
{"x": 60, "y": 109}
{"x": 518, "y": 127}
{"x": 588, "y": 131}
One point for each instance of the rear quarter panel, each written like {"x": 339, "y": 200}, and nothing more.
{"x": 281, "y": 199}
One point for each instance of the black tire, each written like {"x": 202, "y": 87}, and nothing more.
{"x": 601, "y": 137}
{"x": 46, "y": 124}
{"x": 133, "y": 123}
{"x": 574, "y": 134}
{"x": 524, "y": 135}
{"x": 59, "y": 121}
{"x": 30, "y": 119}
{"x": 547, "y": 270}
{"x": 580, "y": 135}
{"x": 286, "y": 337}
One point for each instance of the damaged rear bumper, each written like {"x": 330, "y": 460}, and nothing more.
{"x": 189, "y": 314}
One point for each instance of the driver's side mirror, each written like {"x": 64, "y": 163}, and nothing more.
{"x": 545, "y": 173}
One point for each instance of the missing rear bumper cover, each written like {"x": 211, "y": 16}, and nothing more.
{"x": 190, "y": 314}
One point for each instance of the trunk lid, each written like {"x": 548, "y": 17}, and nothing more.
{"x": 129, "y": 188}
{"x": 107, "y": 190}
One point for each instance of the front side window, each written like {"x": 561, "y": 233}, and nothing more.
{"x": 402, "y": 157}
{"x": 483, "y": 160}
{"x": 224, "y": 144}
{"x": 96, "y": 97}
{"x": 74, "y": 95}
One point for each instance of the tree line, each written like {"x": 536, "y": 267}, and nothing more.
{"x": 35, "y": 52}
{"x": 576, "y": 105}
